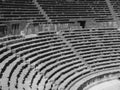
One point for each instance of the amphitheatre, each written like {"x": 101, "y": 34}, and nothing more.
{"x": 59, "y": 45}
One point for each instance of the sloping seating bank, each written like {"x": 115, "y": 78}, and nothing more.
{"x": 19, "y": 10}
{"x": 59, "y": 11}
{"x": 63, "y": 11}
{"x": 68, "y": 60}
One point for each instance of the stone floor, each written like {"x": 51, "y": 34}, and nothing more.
{"x": 110, "y": 85}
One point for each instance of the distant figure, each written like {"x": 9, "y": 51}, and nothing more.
{"x": 22, "y": 33}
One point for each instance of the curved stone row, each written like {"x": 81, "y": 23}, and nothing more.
{"x": 48, "y": 62}
{"x": 99, "y": 48}
{"x": 94, "y": 78}
{"x": 23, "y": 65}
{"x": 96, "y": 47}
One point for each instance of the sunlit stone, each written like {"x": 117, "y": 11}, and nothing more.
{"x": 109, "y": 85}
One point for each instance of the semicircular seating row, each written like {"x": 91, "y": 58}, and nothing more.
{"x": 47, "y": 62}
